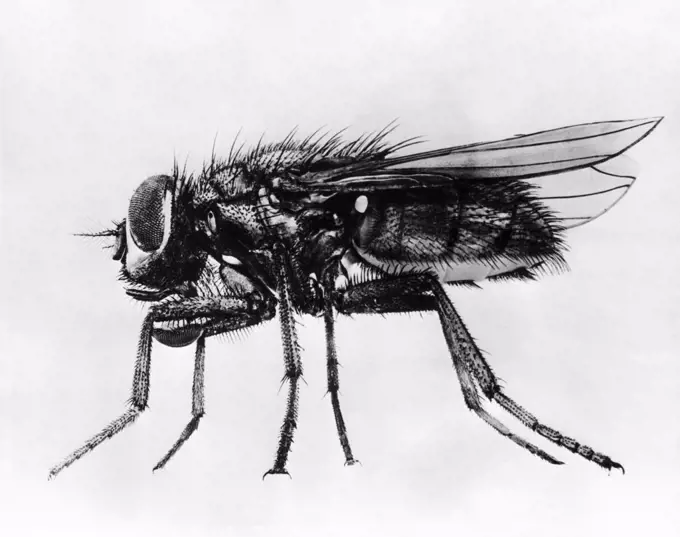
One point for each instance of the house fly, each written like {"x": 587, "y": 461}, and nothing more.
{"x": 322, "y": 225}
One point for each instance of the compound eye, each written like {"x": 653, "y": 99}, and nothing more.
{"x": 150, "y": 213}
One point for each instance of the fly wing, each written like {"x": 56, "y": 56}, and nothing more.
{"x": 542, "y": 153}
{"x": 578, "y": 197}
{"x": 524, "y": 156}
{"x": 579, "y": 170}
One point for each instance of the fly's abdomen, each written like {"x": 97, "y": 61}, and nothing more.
{"x": 408, "y": 230}
{"x": 489, "y": 225}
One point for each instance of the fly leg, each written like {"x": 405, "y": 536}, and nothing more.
{"x": 332, "y": 364}
{"x": 373, "y": 297}
{"x": 411, "y": 293}
{"x": 138, "y": 401}
{"x": 474, "y": 361}
{"x": 292, "y": 360}
{"x": 235, "y": 312}
{"x": 197, "y": 406}
{"x": 260, "y": 310}
{"x": 426, "y": 292}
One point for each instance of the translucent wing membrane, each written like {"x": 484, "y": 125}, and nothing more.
{"x": 579, "y": 197}
{"x": 530, "y": 155}
{"x": 525, "y": 156}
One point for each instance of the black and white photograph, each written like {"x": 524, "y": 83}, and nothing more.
{"x": 340, "y": 268}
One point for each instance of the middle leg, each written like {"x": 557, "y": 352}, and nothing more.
{"x": 292, "y": 360}
{"x": 332, "y": 364}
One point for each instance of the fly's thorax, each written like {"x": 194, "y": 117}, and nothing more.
{"x": 277, "y": 222}
{"x": 240, "y": 219}
{"x": 231, "y": 227}
{"x": 320, "y": 237}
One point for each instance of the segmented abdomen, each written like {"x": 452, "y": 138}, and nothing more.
{"x": 497, "y": 226}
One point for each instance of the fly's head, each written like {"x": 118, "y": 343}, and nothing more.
{"x": 172, "y": 250}
{"x": 164, "y": 258}
{"x": 160, "y": 252}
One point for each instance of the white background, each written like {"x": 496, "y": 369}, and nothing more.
{"x": 95, "y": 99}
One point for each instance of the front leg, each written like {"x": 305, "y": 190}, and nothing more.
{"x": 197, "y": 403}
{"x": 227, "y": 313}
{"x": 138, "y": 401}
